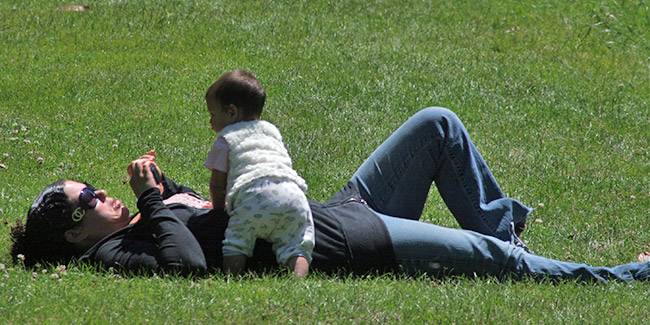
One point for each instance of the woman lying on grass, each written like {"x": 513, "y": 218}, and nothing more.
{"x": 369, "y": 226}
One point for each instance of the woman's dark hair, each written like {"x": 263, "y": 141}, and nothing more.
{"x": 41, "y": 239}
{"x": 241, "y": 89}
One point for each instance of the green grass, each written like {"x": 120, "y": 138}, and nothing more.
{"x": 555, "y": 94}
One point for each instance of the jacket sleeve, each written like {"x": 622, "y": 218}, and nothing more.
{"x": 172, "y": 188}
{"x": 158, "y": 242}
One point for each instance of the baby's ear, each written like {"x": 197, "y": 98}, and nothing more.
{"x": 234, "y": 112}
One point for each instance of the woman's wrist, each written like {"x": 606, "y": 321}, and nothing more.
{"x": 147, "y": 195}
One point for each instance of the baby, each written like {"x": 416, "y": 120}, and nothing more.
{"x": 253, "y": 179}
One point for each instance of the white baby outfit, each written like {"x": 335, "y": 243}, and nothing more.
{"x": 265, "y": 197}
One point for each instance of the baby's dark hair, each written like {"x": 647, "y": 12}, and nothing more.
{"x": 241, "y": 89}
{"x": 41, "y": 239}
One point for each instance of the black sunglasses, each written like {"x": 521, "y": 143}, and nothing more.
{"x": 87, "y": 200}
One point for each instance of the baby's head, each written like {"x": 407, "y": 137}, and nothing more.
{"x": 236, "y": 96}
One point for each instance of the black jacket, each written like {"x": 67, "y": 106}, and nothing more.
{"x": 179, "y": 238}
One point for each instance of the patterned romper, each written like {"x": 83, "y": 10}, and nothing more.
{"x": 265, "y": 197}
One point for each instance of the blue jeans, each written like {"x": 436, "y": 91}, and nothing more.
{"x": 434, "y": 146}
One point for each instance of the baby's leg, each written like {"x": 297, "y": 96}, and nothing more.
{"x": 291, "y": 227}
{"x": 243, "y": 229}
{"x": 299, "y": 265}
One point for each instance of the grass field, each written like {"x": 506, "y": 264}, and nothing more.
{"x": 555, "y": 94}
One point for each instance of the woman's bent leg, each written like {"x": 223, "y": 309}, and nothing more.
{"x": 422, "y": 248}
{"x": 433, "y": 145}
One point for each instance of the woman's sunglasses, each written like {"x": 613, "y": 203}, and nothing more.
{"x": 87, "y": 200}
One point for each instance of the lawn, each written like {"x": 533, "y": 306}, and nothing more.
{"x": 555, "y": 94}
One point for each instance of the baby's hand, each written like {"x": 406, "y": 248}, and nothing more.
{"x": 141, "y": 176}
{"x": 149, "y": 156}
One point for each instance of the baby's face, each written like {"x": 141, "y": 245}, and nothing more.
{"x": 219, "y": 117}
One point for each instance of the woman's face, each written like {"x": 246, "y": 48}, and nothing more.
{"x": 105, "y": 218}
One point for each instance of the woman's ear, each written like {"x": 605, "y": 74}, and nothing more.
{"x": 75, "y": 235}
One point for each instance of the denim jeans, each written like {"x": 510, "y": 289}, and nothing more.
{"x": 434, "y": 146}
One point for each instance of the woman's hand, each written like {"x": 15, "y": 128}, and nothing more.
{"x": 141, "y": 176}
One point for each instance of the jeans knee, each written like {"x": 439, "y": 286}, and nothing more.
{"x": 442, "y": 119}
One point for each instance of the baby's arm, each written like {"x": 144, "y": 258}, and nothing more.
{"x": 218, "y": 189}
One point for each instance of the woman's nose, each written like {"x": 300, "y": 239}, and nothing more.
{"x": 101, "y": 194}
